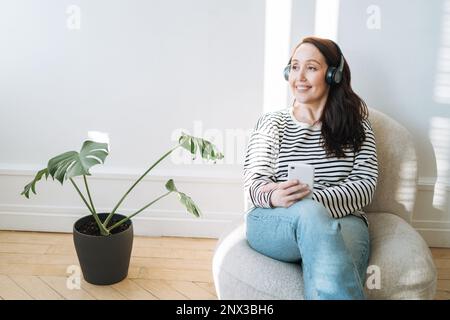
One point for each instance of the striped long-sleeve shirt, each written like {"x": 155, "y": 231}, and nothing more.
{"x": 343, "y": 185}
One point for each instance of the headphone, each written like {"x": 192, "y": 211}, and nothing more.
{"x": 333, "y": 75}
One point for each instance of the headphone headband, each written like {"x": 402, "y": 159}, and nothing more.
{"x": 341, "y": 62}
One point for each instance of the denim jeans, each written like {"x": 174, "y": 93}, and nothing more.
{"x": 333, "y": 253}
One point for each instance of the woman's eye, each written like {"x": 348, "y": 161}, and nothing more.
{"x": 295, "y": 68}
{"x": 312, "y": 68}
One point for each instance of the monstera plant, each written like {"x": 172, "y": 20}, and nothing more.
{"x": 103, "y": 241}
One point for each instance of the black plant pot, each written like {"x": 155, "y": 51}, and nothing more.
{"x": 103, "y": 260}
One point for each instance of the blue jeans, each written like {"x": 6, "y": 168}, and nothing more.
{"x": 333, "y": 253}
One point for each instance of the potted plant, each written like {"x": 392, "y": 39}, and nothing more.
{"x": 103, "y": 241}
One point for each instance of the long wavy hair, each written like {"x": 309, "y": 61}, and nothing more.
{"x": 344, "y": 112}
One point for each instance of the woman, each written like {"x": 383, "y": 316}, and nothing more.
{"x": 326, "y": 127}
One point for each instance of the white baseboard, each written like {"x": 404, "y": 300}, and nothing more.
{"x": 152, "y": 223}
{"x": 428, "y": 184}
{"x": 432, "y": 220}
{"x": 438, "y": 238}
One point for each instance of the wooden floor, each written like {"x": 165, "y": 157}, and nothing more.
{"x": 34, "y": 266}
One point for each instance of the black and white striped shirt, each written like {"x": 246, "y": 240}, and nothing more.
{"x": 343, "y": 185}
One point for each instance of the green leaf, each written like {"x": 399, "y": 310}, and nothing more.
{"x": 170, "y": 186}
{"x": 189, "y": 204}
{"x": 207, "y": 149}
{"x": 32, "y": 185}
{"x": 72, "y": 164}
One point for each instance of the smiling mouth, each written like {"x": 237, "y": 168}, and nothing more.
{"x": 302, "y": 88}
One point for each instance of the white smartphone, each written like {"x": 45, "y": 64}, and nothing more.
{"x": 302, "y": 172}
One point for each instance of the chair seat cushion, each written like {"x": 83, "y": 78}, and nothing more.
{"x": 402, "y": 266}
{"x": 407, "y": 269}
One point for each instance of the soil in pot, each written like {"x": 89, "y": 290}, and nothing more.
{"x": 90, "y": 227}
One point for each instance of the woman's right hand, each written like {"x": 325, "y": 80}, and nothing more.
{"x": 287, "y": 193}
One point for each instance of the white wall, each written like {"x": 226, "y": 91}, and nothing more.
{"x": 136, "y": 69}
{"x": 140, "y": 70}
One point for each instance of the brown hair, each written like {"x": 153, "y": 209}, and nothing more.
{"x": 344, "y": 112}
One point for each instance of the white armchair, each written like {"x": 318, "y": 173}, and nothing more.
{"x": 400, "y": 259}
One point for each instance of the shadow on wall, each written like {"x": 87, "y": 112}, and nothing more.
{"x": 439, "y": 127}
{"x": 440, "y": 139}
{"x": 434, "y": 207}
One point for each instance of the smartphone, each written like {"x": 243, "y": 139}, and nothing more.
{"x": 302, "y": 172}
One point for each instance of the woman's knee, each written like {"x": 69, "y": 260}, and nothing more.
{"x": 312, "y": 212}
{"x": 272, "y": 235}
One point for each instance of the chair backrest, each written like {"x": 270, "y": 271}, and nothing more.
{"x": 397, "y": 167}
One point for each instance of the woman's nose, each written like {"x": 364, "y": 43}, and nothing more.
{"x": 301, "y": 74}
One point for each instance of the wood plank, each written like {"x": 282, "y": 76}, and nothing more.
{"x": 134, "y": 272}
{"x": 440, "y": 253}
{"x": 60, "y": 286}
{"x": 208, "y": 286}
{"x": 62, "y": 249}
{"x": 443, "y": 285}
{"x": 181, "y": 275}
{"x": 442, "y": 295}
{"x": 171, "y": 263}
{"x": 32, "y": 269}
{"x": 160, "y": 289}
{"x": 132, "y": 291}
{"x": 191, "y": 290}
{"x": 36, "y": 288}
{"x": 172, "y": 253}
{"x": 442, "y": 263}
{"x": 9, "y": 290}
{"x": 7, "y": 247}
{"x": 27, "y": 237}
{"x": 176, "y": 243}
{"x": 36, "y": 258}
{"x": 443, "y": 274}
{"x": 101, "y": 292}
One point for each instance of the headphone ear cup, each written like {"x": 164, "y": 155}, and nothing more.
{"x": 329, "y": 78}
{"x": 286, "y": 72}
{"x": 337, "y": 76}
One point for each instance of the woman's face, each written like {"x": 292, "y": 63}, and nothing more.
{"x": 307, "y": 75}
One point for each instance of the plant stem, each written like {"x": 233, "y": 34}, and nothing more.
{"x": 89, "y": 194}
{"x": 103, "y": 230}
{"x": 81, "y": 195}
{"x": 140, "y": 210}
{"x": 132, "y": 187}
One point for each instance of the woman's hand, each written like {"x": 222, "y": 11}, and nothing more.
{"x": 286, "y": 193}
